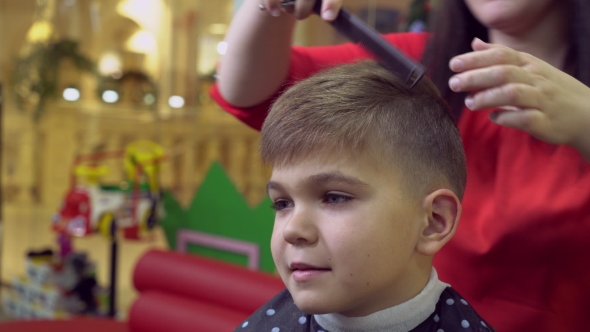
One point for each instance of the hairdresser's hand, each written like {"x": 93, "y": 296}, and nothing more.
{"x": 303, "y": 8}
{"x": 533, "y": 96}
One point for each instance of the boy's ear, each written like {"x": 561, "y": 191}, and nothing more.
{"x": 443, "y": 210}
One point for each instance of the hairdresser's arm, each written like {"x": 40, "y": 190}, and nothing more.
{"x": 258, "y": 53}
{"x": 535, "y": 96}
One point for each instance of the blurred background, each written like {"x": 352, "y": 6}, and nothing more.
{"x": 90, "y": 78}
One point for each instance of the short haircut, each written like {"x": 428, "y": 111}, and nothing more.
{"x": 363, "y": 108}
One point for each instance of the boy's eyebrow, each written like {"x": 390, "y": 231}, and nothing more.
{"x": 335, "y": 177}
{"x": 273, "y": 185}
{"x": 323, "y": 178}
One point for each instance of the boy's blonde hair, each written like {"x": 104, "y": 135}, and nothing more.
{"x": 362, "y": 108}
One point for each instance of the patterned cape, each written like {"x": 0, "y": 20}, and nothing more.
{"x": 280, "y": 314}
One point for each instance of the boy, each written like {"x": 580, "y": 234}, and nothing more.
{"x": 366, "y": 183}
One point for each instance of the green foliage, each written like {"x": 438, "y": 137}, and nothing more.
{"x": 36, "y": 75}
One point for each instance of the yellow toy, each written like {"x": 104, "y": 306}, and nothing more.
{"x": 89, "y": 207}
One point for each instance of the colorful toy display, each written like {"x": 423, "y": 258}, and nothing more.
{"x": 134, "y": 206}
{"x": 55, "y": 287}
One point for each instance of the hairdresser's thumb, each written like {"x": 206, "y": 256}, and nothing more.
{"x": 479, "y": 45}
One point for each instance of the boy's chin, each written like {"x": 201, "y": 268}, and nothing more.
{"x": 314, "y": 309}
{"x": 314, "y": 306}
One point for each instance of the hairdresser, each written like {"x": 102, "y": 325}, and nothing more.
{"x": 516, "y": 74}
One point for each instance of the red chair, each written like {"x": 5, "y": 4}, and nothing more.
{"x": 178, "y": 292}
{"x": 73, "y": 325}
{"x": 181, "y": 292}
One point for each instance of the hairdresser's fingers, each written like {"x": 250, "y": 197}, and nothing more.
{"x": 289, "y": 9}
{"x": 273, "y": 7}
{"x": 330, "y": 9}
{"x": 485, "y": 55}
{"x": 532, "y": 121}
{"x": 479, "y": 45}
{"x": 526, "y": 119}
{"x": 303, "y": 8}
{"x": 517, "y": 95}
{"x": 483, "y": 78}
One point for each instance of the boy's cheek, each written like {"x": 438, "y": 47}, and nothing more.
{"x": 276, "y": 248}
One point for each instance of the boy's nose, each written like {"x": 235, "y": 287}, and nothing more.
{"x": 300, "y": 229}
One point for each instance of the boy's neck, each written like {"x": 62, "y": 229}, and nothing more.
{"x": 402, "y": 317}
{"x": 407, "y": 286}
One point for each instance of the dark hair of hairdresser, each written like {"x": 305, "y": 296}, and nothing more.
{"x": 455, "y": 27}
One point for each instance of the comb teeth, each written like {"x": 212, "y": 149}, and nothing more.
{"x": 353, "y": 28}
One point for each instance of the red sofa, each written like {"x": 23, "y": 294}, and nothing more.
{"x": 178, "y": 293}
{"x": 181, "y": 292}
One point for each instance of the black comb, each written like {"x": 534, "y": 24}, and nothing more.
{"x": 353, "y": 28}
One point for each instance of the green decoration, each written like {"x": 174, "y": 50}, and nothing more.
{"x": 219, "y": 209}
{"x": 174, "y": 220}
{"x": 36, "y": 74}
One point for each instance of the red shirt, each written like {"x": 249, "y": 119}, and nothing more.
{"x": 520, "y": 255}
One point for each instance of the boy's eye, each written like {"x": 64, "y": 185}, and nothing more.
{"x": 336, "y": 198}
{"x": 281, "y": 204}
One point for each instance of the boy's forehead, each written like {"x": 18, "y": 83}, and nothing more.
{"x": 334, "y": 165}
{"x": 327, "y": 155}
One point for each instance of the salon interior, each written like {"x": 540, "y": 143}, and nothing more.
{"x": 126, "y": 191}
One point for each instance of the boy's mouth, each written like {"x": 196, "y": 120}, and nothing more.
{"x": 303, "y": 267}
{"x": 301, "y": 272}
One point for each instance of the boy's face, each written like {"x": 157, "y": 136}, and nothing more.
{"x": 345, "y": 234}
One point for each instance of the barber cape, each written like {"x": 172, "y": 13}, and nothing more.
{"x": 438, "y": 308}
